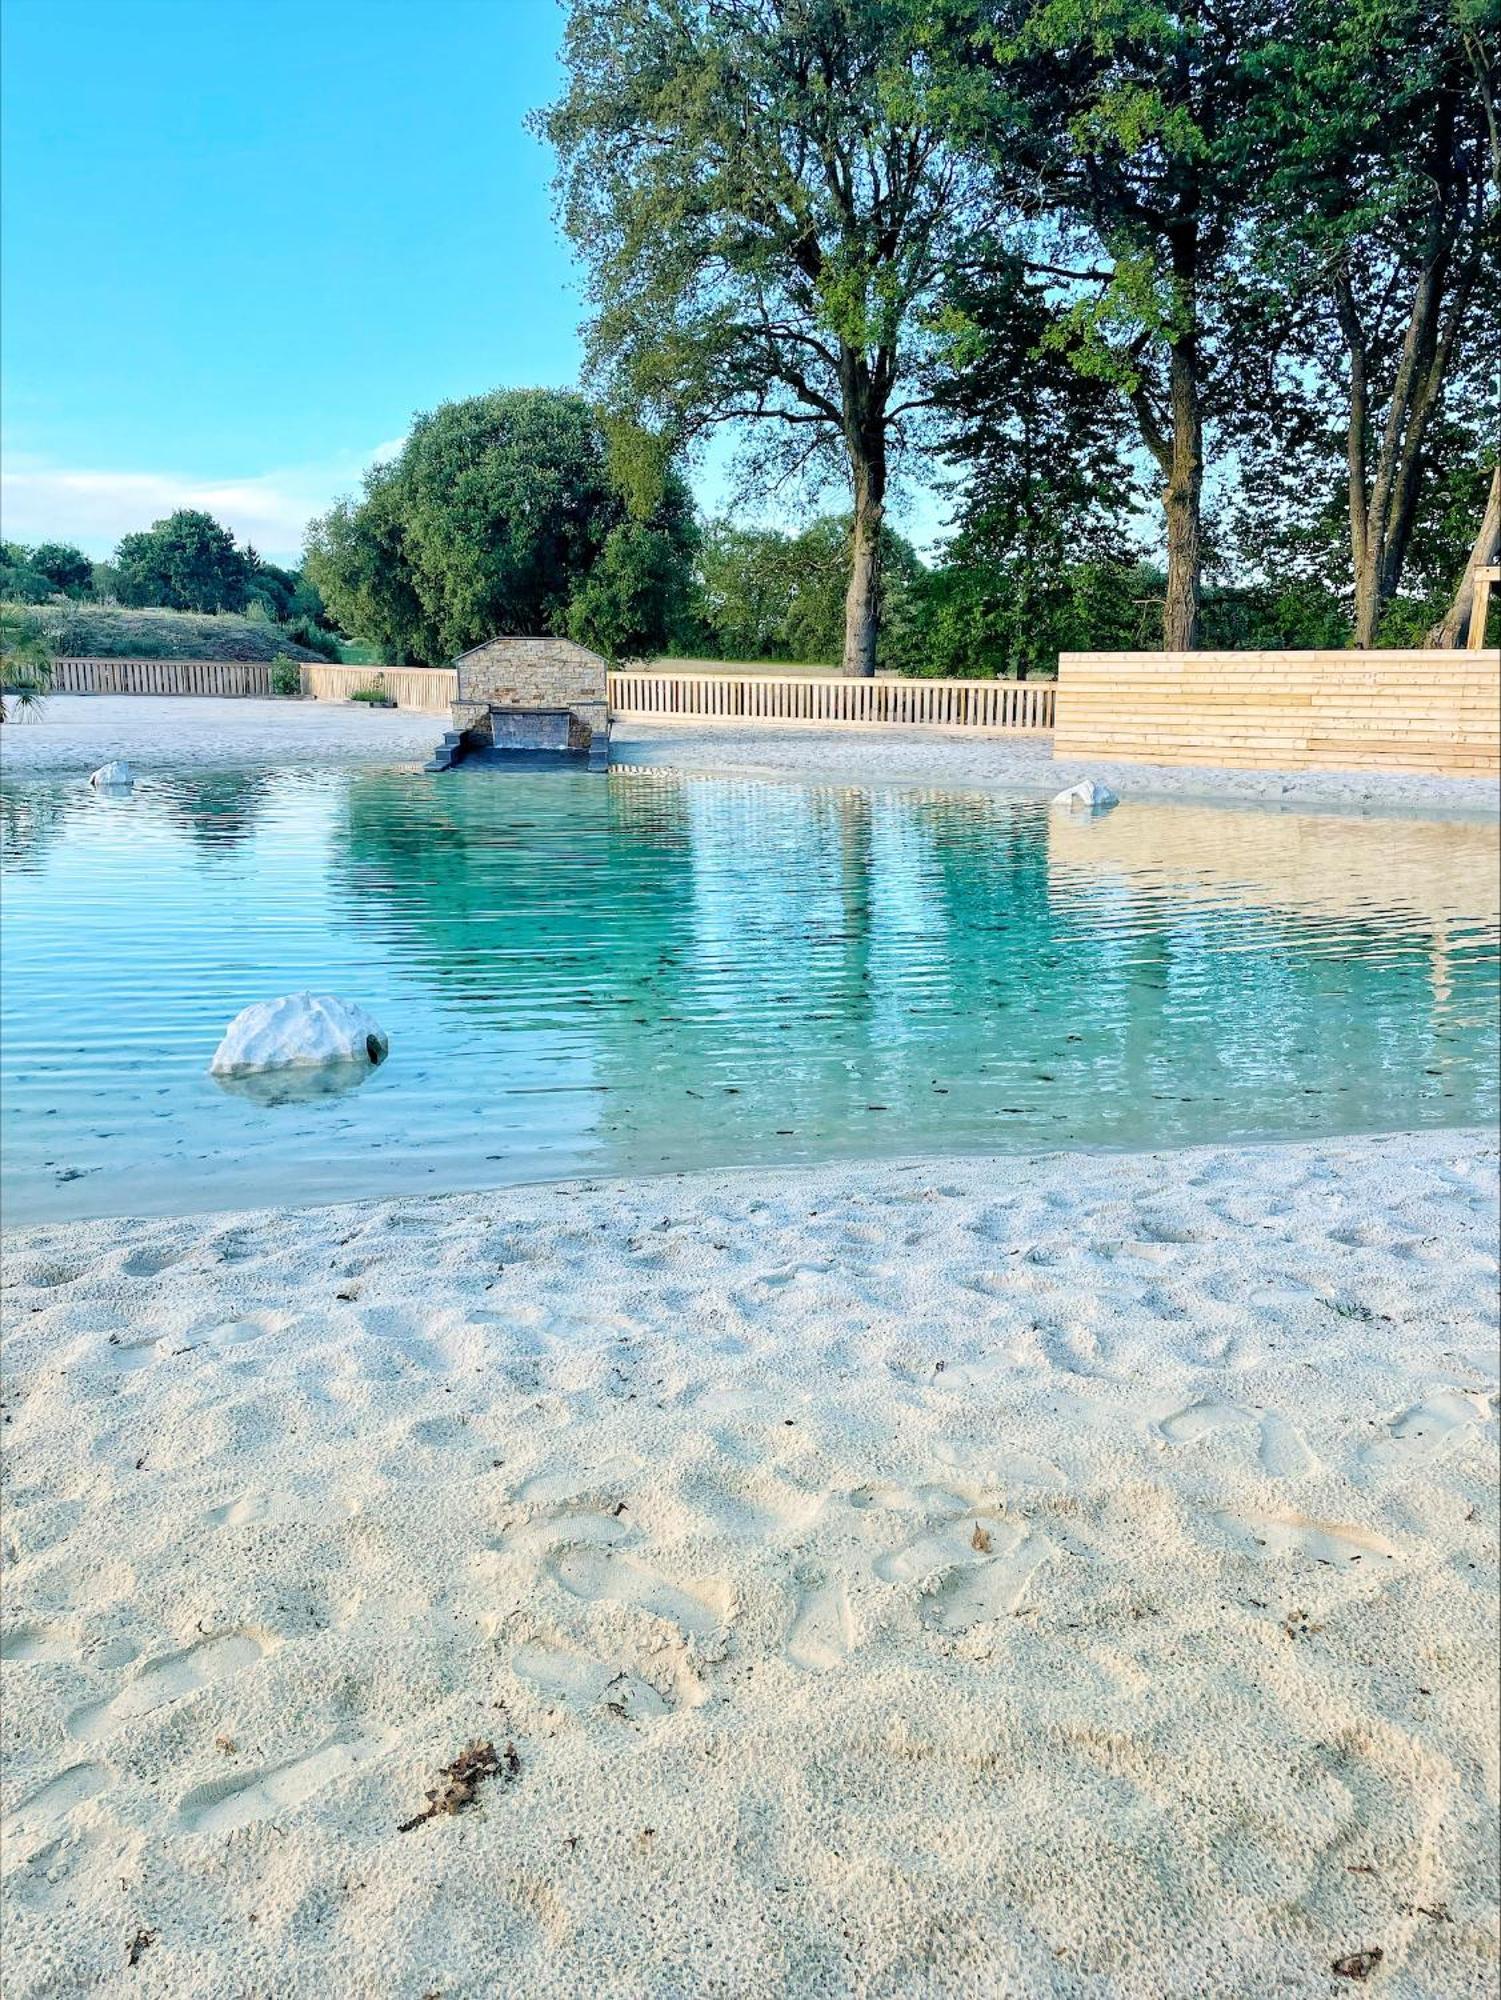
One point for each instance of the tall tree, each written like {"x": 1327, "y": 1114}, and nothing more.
{"x": 767, "y": 204}
{"x": 1383, "y": 220}
{"x": 1119, "y": 132}
{"x": 186, "y": 562}
{"x": 64, "y": 566}
{"x": 491, "y": 520}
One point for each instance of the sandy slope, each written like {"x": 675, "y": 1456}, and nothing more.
{"x": 1074, "y": 1576}
{"x": 74, "y": 733}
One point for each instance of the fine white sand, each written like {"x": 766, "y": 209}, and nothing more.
{"x": 1024, "y": 766}
{"x": 1068, "y": 1576}
{"x": 76, "y": 733}
{"x": 80, "y": 732}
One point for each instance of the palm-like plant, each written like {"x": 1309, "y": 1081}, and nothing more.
{"x": 25, "y": 661}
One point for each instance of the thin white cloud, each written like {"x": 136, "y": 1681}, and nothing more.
{"x": 41, "y": 501}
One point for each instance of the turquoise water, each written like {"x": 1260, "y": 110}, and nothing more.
{"x": 586, "y": 976}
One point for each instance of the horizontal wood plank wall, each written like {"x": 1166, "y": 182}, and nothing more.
{"x": 993, "y": 706}
{"x": 222, "y": 677}
{"x": 1421, "y": 711}
{"x": 432, "y": 688}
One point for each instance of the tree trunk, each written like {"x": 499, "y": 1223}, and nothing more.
{"x": 862, "y": 602}
{"x": 1455, "y": 627}
{"x": 1183, "y": 499}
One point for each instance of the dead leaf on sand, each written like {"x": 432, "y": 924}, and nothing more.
{"x": 980, "y": 1539}
{"x": 462, "y": 1780}
{"x": 1359, "y": 1964}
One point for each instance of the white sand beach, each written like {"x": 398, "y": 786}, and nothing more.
{"x": 1062, "y": 1576}
{"x": 1072, "y": 1575}
{"x": 79, "y": 732}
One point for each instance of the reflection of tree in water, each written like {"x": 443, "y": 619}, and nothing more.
{"x": 1226, "y": 1013}
{"x": 533, "y": 900}
{"x": 32, "y": 819}
{"x": 216, "y": 809}
{"x": 749, "y": 969}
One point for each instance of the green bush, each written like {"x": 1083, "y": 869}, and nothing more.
{"x": 286, "y": 675}
{"x": 373, "y": 692}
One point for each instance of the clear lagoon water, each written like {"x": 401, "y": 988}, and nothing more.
{"x": 648, "y": 972}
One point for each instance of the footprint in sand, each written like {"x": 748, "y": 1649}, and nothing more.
{"x": 566, "y": 1528}
{"x": 1201, "y": 1419}
{"x": 1296, "y": 1534}
{"x": 822, "y": 1633}
{"x": 1428, "y": 1429}
{"x": 235, "y": 1801}
{"x": 34, "y": 1645}
{"x": 603, "y": 1481}
{"x": 939, "y": 1549}
{"x": 147, "y": 1262}
{"x": 167, "y": 1680}
{"x": 266, "y": 1508}
{"x": 970, "y": 1568}
{"x": 589, "y": 1682}
{"x": 1283, "y": 1451}
{"x": 58, "y": 1797}
{"x": 603, "y": 1576}
{"x": 991, "y": 1588}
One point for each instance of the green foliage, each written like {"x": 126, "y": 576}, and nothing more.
{"x": 373, "y": 693}
{"x": 761, "y": 594}
{"x": 286, "y": 675}
{"x": 767, "y": 205}
{"x": 185, "y": 563}
{"x": 503, "y": 514}
{"x": 26, "y": 660}
{"x": 21, "y": 584}
{"x": 636, "y": 596}
{"x": 66, "y": 568}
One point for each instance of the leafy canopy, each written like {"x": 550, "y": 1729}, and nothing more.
{"x": 186, "y": 562}
{"x": 503, "y": 514}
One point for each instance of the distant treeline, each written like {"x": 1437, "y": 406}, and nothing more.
{"x": 525, "y": 511}
{"x": 185, "y": 563}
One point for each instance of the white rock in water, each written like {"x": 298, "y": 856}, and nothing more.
{"x": 1088, "y": 792}
{"x": 296, "y": 1031}
{"x": 113, "y": 777}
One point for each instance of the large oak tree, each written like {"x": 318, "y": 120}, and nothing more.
{"x": 767, "y": 204}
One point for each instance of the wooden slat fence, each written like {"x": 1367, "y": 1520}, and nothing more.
{"x": 222, "y": 677}
{"x": 996, "y": 706}
{"x": 635, "y": 694}
{"x": 430, "y": 688}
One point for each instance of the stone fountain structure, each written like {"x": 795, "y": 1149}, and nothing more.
{"x": 528, "y": 701}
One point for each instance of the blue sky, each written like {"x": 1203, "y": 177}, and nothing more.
{"x": 245, "y": 239}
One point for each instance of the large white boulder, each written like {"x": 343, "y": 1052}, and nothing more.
{"x": 116, "y": 777}
{"x": 299, "y": 1031}
{"x": 1089, "y": 795}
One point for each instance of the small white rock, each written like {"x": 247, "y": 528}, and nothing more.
{"x": 113, "y": 777}
{"x": 296, "y": 1031}
{"x": 1090, "y": 793}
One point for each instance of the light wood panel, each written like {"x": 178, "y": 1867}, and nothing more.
{"x": 1420, "y": 711}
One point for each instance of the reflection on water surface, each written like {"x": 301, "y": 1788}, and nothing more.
{"x": 650, "y": 971}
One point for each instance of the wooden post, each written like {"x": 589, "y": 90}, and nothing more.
{"x": 1485, "y": 576}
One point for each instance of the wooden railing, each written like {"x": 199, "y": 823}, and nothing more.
{"x": 635, "y": 694}
{"x": 430, "y": 688}
{"x": 222, "y": 677}
{"x": 997, "y": 706}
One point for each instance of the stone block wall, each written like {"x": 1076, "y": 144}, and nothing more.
{"x": 532, "y": 673}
